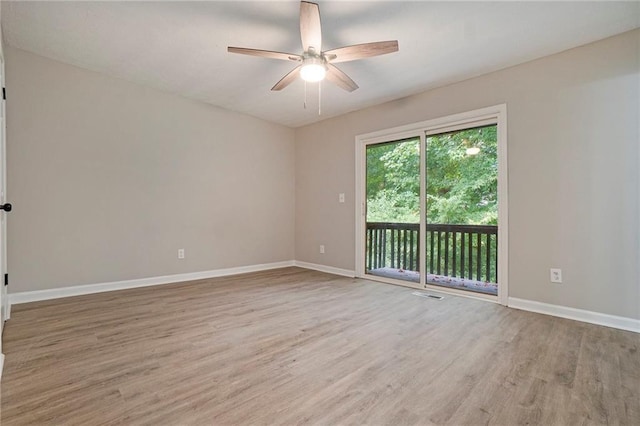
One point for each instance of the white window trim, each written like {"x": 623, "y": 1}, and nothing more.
{"x": 496, "y": 114}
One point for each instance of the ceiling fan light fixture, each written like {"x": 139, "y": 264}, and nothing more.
{"x": 313, "y": 70}
{"x": 315, "y": 64}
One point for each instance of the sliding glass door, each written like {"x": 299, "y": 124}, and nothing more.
{"x": 432, "y": 200}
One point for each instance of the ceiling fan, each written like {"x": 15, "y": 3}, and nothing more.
{"x": 316, "y": 64}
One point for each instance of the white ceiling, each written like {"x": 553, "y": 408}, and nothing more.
{"x": 180, "y": 47}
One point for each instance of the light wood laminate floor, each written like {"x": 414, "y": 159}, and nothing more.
{"x": 292, "y": 346}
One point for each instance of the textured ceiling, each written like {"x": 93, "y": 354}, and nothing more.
{"x": 180, "y": 47}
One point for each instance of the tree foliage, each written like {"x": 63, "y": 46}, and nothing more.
{"x": 461, "y": 188}
{"x": 393, "y": 182}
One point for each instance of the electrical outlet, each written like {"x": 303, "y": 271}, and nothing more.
{"x": 341, "y": 197}
{"x": 180, "y": 253}
{"x": 321, "y": 249}
{"x": 556, "y": 275}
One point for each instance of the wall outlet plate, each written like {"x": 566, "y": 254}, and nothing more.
{"x": 555, "y": 275}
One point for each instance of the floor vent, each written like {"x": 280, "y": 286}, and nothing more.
{"x": 427, "y": 295}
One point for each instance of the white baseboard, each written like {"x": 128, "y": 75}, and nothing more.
{"x": 324, "y": 268}
{"x": 1, "y": 365}
{"x": 34, "y": 296}
{"x": 622, "y": 323}
{"x": 79, "y": 290}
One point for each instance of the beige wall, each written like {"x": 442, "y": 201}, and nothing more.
{"x": 108, "y": 179}
{"x": 573, "y": 137}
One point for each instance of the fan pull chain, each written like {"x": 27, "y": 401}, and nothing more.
{"x": 319, "y": 98}
{"x": 305, "y": 94}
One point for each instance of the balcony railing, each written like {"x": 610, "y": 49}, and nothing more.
{"x": 461, "y": 251}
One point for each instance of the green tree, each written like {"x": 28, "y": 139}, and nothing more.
{"x": 393, "y": 182}
{"x": 461, "y": 188}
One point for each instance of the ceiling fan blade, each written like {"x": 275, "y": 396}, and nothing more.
{"x": 287, "y": 79}
{"x": 265, "y": 53}
{"x": 336, "y": 76}
{"x": 310, "y": 28}
{"x": 358, "y": 51}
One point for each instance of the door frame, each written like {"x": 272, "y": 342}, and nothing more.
{"x": 493, "y": 114}
{"x": 4, "y": 298}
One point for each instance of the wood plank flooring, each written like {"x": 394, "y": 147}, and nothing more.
{"x": 292, "y": 346}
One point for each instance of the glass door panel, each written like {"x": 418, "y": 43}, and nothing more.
{"x": 392, "y": 247}
{"x": 462, "y": 209}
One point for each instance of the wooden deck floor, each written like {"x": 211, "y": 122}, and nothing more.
{"x": 292, "y": 346}
{"x": 439, "y": 280}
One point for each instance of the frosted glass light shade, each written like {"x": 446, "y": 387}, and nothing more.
{"x": 313, "y": 70}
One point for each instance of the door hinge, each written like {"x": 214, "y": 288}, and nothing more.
{"x": 4, "y": 93}
{"x": 6, "y": 279}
